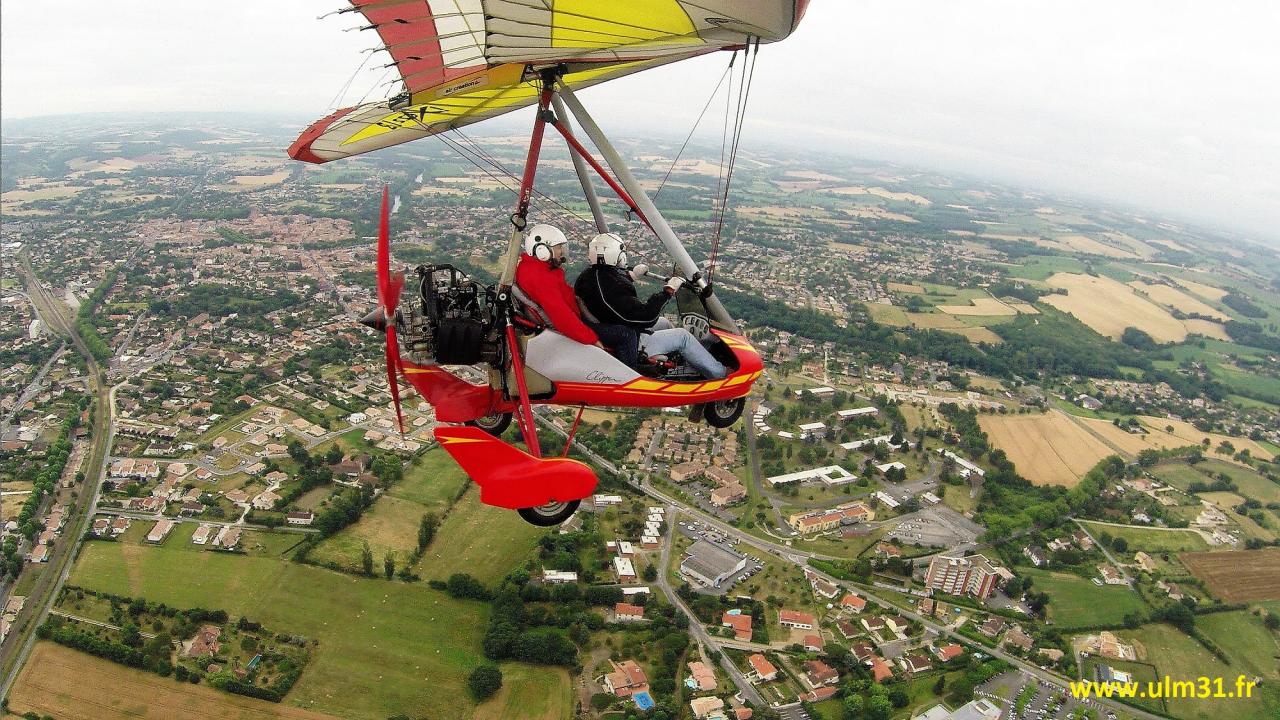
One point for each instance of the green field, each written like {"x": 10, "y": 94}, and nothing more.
{"x": 1182, "y": 658}
{"x": 1150, "y": 540}
{"x": 391, "y": 525}
{"x": 530, "y": 691}
{"x": 1077, "y": 602}
{"x": 485, "y": 541}
{"x": 384, "y": 647}
{"x": 1040, "y": 267}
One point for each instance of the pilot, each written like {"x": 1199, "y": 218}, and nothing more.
{"x": 540, "y": 274}
{"x": 608, "y": 291}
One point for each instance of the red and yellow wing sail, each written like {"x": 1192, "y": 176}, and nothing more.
{"x": 464, "y": 61}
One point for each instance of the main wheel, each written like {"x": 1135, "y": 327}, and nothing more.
{"x": 552, "y": 513}
{"x": 494, "y": 424}
{"x": 723, "y": 413}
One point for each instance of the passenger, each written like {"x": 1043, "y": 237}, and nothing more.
{"x": 540, "y": 274}
{"x": 608, "y": 291}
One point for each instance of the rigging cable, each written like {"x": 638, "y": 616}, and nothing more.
{"x": 692, "y": 130}
{"x": 744, "y": 91}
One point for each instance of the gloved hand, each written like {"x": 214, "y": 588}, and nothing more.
{"x": 639, "y": 271}
{"x": 674, "y": 284}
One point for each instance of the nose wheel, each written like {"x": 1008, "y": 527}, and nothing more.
{"x": 724, "y": 413}
{"x": 552, "y": 513}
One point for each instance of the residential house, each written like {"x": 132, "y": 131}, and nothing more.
{"x": 795, "y": 619}
{"x": 300, "y": 517}
{"x": 708, "y": 708}
{"x": 626, "y": 679}
{"x": 625, "y": 612}
{"x": 761, "y": 669}
{"x": 847, "y": 629}
{"x": 741, "y": 624}
{"x": 914, "y": 664}
{"x": 880, "y": 669}
{"x": 852, "y": 603}
{"x": 949, "y": 652}
{"x": 703, "y": 676}
{"x": 818, "y": 673}
{"x": 205, "y": 643}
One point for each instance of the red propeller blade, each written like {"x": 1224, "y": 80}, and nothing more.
{"x": 394, "y": 285}
{"x": 393, "y": 363}
{"x": 384, "y": 253}
{"x": 389, "y": 287}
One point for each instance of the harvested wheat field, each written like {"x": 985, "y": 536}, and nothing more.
{"x": 1174, "y": 298}
{"x": 1184, "y": 433}
{"x": 1207, "y": 328}
{"x": 881, "y": 193}
{"x": 1237, "y": 575}
{"x": 979, "y": 306}
{"x": 1205, "y": 291}
{"x": 70, "y": 685}
{"x": 1048, "y": 449}
{"x": 1109, "y": 306}
{"x": 1156, "y": 438}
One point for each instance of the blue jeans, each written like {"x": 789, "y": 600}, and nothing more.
{"x": 665, "y": 339}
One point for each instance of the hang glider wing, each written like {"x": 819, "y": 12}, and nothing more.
{"x": 463, "y": 61}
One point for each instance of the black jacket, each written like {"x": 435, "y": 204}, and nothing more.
{"x": 610, "y": 294}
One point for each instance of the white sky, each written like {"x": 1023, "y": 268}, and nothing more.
{"x": 1169, "y": 105}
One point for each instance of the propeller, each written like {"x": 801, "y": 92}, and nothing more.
{"x": 384, "y": 317}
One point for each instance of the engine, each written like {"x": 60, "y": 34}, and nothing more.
{"x": 454, "y": 324}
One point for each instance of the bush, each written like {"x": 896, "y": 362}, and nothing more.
{"x": 484, "y": 681}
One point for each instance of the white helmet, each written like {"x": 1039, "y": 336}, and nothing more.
{"x": 606, "y": 249}
{"x": 539, "y": 240}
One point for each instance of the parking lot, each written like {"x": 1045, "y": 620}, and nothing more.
{"x": 936, "y": 526}
{"x": 1043, "y": 701}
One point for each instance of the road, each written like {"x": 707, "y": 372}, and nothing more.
{"x": 98, "y": 623}
{"x": 700, "y": 634}
{"x": 800, "y": 557}
{"x": 33, "y": 387}
{"x": 45, "y": 590}
{"x": 1107, "y": 552}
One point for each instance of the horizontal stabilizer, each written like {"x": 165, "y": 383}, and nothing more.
{"x": 511, "y": 478}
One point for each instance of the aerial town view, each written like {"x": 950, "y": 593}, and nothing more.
{"x": 908, "y": 444}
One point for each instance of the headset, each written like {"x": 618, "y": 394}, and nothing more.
{"x": 536, "y": 247}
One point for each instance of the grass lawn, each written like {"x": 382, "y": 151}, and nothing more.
{"x": 384, "y": 647}
{"x": 1251, "y": 484}
{"x": 433, "y": 481}
{"x": 831, "y": 709}
{"x": 957, "y": 498}
{"x": 1181, "y": 658}
{"x": 484, "y": 541}
{"x": 1040, "y": 267}
{"x": 1077, "y": 602}
{"x": 530, "y": 691}
{"x": 1249, "y": 644}
{"x": 1179, "y": 474}
{"x": 1150, "y": 540}
{"x": 391, "y": 524}
{"x": 920, "y": 691}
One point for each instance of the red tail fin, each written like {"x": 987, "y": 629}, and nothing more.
{"x": 511, "y": 478}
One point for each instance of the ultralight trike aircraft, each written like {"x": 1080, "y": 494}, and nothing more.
{"x": 464, "y": 61}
